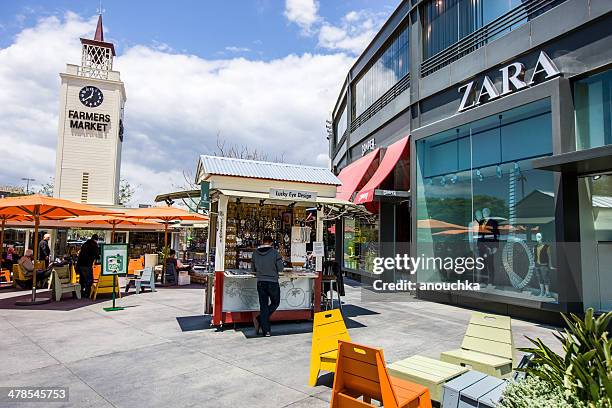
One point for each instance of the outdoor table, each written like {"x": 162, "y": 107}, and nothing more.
{"x": 472, "y": 395}
{"x": 473, "y": 389}
{"x": 426, "y": 371}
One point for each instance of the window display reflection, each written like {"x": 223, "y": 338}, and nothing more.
{"x": 360, "y": 244}
{"x": 478, "y": 196}
{"x": 386, "y": 71}
{"x": 593, "y": 104}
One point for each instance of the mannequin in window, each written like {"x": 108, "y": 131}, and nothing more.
{"x": 488, "y": 240}
{"x": 543, "y": 265}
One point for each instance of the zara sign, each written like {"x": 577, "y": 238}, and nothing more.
{"x": 513, "y": 79}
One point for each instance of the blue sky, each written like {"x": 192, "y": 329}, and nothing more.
{"x": 260, "y": 74}
{"x": 203, "y": 28}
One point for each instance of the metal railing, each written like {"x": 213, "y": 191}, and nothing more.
{"x": 381, "y": 102}
{"x": 468, "y": 44}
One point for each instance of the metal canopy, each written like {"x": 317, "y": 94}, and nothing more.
{"x": 581, "y": 162}
{"x": 224, "y": 166}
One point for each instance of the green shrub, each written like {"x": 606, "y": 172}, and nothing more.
{"x": 586, "y": 370}
{"x": 534, "y": 392}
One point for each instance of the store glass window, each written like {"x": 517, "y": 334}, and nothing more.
{"x": 593, "y": 110}
{"x": 341, "y": 124}
{"x": 391, "y": 66}
{"x": 478, "y": 196}
{"x": 361, "y": 244}
{"x": 448, "y": 21}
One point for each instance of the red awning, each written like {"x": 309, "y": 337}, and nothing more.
{"x": 356, "y": 174}
{"x": 393, "y": 154}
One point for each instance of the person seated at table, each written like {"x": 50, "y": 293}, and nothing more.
{"x": 178, "y": 265}
{"x": 7, "y": 263}
{"x": 26, "y": 262}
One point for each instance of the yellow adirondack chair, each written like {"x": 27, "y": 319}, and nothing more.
{"x": 328, "y": 328}
{"x": 104, "y": 284}
{"x": 487, "y": 346}
{"x": 19, "y": 279}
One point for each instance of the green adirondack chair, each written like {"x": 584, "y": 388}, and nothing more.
{"x": 487, "y": 346}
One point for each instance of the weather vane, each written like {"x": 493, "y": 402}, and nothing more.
{"x": 100, "y": 9}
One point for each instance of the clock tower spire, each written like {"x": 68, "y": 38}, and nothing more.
{"x": 90, "y": 134}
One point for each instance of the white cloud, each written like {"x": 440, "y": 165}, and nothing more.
{"x": 304, "y": 13}
{"x": 352, "y": 34}
{"x": 233, "y": 48}
{"x": 176, "y": 105}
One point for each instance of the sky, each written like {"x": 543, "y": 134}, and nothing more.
{"x": 257, "y": 73}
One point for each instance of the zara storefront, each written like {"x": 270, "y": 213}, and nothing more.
{"x": 509, "y": 118}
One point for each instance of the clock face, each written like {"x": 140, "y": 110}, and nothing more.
{"x": 91, "y": 96}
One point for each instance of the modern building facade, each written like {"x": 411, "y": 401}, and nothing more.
{"x": 505, "y": 111}
{"x": 90, "y": 131}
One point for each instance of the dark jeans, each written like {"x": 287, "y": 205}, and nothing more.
{"x": 85, "y": 279}
{"x": 543, "y": 274}
{"x": 269, "y": 299}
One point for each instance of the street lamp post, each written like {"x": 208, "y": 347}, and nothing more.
{"x": 27, "y": 180}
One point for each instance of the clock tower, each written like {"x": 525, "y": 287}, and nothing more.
{"x": 90, "y": 133}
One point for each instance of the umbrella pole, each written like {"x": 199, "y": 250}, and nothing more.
{"x": 2, "y": 235}
{"x": 34, "y": 273}
{"x": 165, "y": 251}
{"x": 113, "y": 233}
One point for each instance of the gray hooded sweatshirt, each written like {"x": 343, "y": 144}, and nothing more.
{"x": 267, "y": 263}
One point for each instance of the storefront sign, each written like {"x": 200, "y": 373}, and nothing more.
{"x": 368, "y": 146}
{"x": 513, "y": 79}
{"x": 298, "y": 195}
{"x": 205, "y": 195}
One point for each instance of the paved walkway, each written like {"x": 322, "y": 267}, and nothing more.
{"x": 160, "y": 352}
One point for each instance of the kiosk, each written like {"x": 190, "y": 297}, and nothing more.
{"x": 251, "y": 199}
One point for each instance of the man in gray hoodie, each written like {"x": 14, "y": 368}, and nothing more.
{"x": 266, "y": 263}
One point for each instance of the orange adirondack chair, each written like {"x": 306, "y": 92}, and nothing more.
{"x": 361, "y": 373}
{"x": 135, "y": 265}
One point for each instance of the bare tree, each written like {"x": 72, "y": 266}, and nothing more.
{"x": 235, "y": 151}
{"x": 225, "y": 149}
{"x": 47, "y": 188}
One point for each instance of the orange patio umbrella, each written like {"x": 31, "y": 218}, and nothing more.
{"x": 164, "y": 215}
{"x": 40, "y": 207}
{"x": 109, "y": 220}
{"x": 431, "y": 223}
{"x": 452, "y": 232}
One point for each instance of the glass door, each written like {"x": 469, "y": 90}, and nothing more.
{"x": 596, "y": 240}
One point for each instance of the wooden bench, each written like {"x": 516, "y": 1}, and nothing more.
{"x": 104, "y": 284}
{"x": 328, "y": 327}
{"x": 427, "y": 372}
{"x": 61, "y": 281}
{"x": 361, "y": 376}
{"x": 487, "y": 346}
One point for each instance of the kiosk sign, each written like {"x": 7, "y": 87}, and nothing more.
{"x": 114, "y": 259}
{"x": 297, "y": 195}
